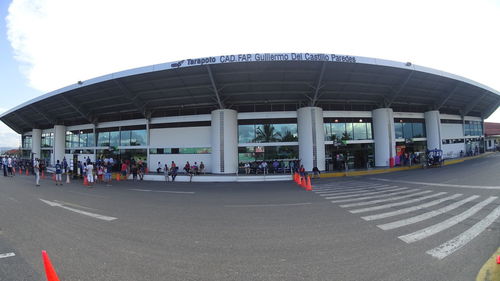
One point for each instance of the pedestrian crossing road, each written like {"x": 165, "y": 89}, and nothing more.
{"x": 392, "y": 207}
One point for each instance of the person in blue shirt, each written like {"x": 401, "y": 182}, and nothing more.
{"x": 58, "y": 173}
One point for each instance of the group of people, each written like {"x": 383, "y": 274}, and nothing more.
{"x": 276, "y": 166}
{"x": 171, "y": 172}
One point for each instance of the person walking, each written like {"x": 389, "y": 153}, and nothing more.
{"x": 107, "y": 173}
{"x": 36, "y": 169}
{"x": 202, "y": 168}
{"x": 58, "y": 173}
{"x": 134, "y": 172}
{"x": 4, "y": 166}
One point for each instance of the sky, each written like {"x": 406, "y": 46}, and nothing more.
{"x": 49, "y": 44}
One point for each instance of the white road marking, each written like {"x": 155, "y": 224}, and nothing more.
{"x": 13, "y": 199}
{"x": 433, "y": 229}
{"x": 179, "y": 192}
{"x": 409, "y": 209}
{"x": 405, "y": 190}
{"x": 442, "y": 184}
{"x": 268, "y": 205}
{"x": 347, "y": 188}
{"x": 360, "y": 193}
{"x": 97, "y": 216}
{"x": 7, "y": 255}
{"x": 461, "y": 240}
{"x": 162, "y": 191}
{"x": 387, "y": 206}
{"x": 325, "y": 193}
{"x": 384, "y": 200}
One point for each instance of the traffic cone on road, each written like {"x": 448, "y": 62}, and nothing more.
{"x": 49, "y": 269}
{"x": 85, "y": 181}
{"x": 27, "y": 172}
{"x": 118, "y": 177}
{"x": 303, "y": 182}
{"x": 498, "y": 259}
{"x": 308, "y": 185}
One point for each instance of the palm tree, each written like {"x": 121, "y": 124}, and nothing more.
{"x": 267, "y": 133}
{"x": 288, "y": 137}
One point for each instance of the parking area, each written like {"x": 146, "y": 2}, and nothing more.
{"x": 435, "y": 224}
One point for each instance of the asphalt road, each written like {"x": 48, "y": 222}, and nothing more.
{"x": 257, "y": 231}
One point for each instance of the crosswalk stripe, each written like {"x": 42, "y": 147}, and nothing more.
{"x": 387, "y": 206}
{"x": 433, "y": 229}
{"x": 329, "y": 193}
{"x": 425, "y": 216}
{"x": 384, "y": 200}
{"x": 374, "y": 196}
{"x": 344, "y": 188}
{"x": 361, "y": 193}
{"x": 409, "y": 209}
{"x": 461, "y": 240}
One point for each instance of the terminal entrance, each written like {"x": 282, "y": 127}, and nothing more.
{"x": 355, "y": 156}
{"x": 410, "y": 152}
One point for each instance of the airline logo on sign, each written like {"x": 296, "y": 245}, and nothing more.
{"x": 264, "y": 57}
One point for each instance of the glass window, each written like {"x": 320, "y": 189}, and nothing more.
{"x": 125, "y": 138}
{"x": 407, "y": 130}
{"x": 138, "y": 137}
{"x": 90, "y": 139}
{"x": 103, "y": 139}
{"x": 286, "y": 132}
{"x": 359, "y": 130}
{"x": 75, "y": 140}
{"x": 267, "y": 133}
{"x": 418, "y": 130}
{"x": 349, "y": 132}
{"x": 369, "y": 131}
{"x": 114, "y": 138}
{"x": 328, "y": 131}
{"x": 338, "y": 130}
{"x": 467, "y": 128}
{"x": 398, "y": 128}
{"x": 246, "y": 133}
{"x": 194, "y": 150}
{"x": 83, "y": 140}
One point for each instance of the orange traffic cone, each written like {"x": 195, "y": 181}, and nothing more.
{"x": 49, "y": 269}
{"x": 118, "y": 177}
{"x": 498, "y": 259}
{"x": 85, "y": 181}
{"x": 27, "y": 173}
{"x": 20, "y": 171}
{"x": 303, "y": 182}
{"x": 308, "y": 185}
{"x": 43, "y": 175}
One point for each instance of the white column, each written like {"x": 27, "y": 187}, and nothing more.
{"x": 384, "y": 136}
{"x": 224, "y": 141}
{"x": 433, "y": 129}
{"x": 36, "y": 143}
{"x": 59, "y": 142}
{"x": 311, "y": 137}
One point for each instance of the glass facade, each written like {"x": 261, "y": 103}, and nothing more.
{"x": 408, "y": 128}
{"x": 184, "y": 150}
{"x": 268, "y": 153}
{"x": 27, "y": 142}
{"x": 348, "y": 129}
{"x": 473, "y": 128}
{"x": 265, "y": 133}
{"x": 115, "y": 138}
{"x": 84, "y": 138}
{"x": 47, "y": 140}
{"x": 356, "y": 156}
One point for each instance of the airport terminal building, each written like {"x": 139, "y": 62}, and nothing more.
{"x": 229, "y": 110}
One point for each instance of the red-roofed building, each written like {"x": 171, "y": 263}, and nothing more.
{"x": 492, "y": 135}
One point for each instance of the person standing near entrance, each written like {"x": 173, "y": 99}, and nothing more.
{"x": 58, "y": 173}
{"x": 36, "y": 169}
{"x": 166, "y": 172}
{"x": 90, "y": 174}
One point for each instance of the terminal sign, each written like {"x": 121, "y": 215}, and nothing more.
{"x": 264, "y": 57}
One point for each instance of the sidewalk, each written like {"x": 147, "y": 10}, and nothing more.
{"x": 374, "y": 171}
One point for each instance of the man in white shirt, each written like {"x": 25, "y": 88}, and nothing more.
{"x": 90, "y": 173}
{"x": 36, "y": 168}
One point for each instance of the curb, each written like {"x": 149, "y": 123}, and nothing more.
{"x": 391, "y": 170}
{"x": 490, "y": 271}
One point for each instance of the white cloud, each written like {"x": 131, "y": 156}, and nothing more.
{"x": 8, "y": 138}
{"x": 61, "y": 42}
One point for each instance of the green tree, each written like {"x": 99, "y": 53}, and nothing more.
{"x": 288, "y": 137}
{"x": 267, "y": 133}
